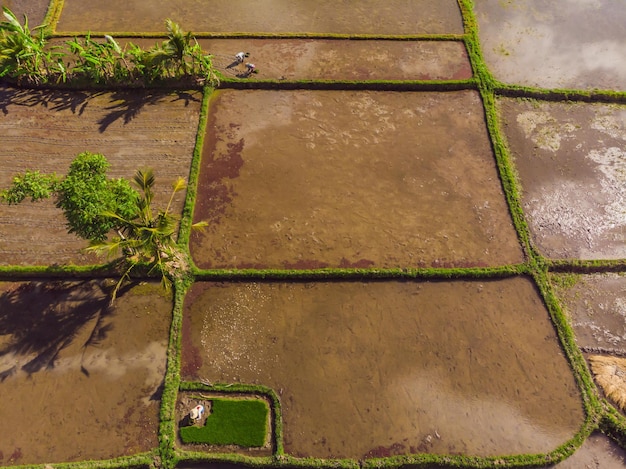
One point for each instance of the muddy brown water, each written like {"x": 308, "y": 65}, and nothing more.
{"x": 325, "y": 59}
{"x": 570, "y": 161}
{"x": 574, "y": 44}
{"x": 377, "y": 369}
{"x": 45, "y": 130}
{"x": 597, "y": 452}
{"x": 393, "y": 17}
{"x": 313, "y": 179}
{"x": 595, "y": 306}
{"x": 80, "y": 380}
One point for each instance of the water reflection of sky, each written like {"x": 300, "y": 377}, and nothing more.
{"x": 565, "y": 44}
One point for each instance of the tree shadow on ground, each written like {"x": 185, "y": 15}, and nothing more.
{"x": 39, "y": 319}
{"x": 54, "y": 100}
{"x": 127, "y": 105}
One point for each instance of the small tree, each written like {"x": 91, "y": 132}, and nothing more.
{"x": 110, "y": 214}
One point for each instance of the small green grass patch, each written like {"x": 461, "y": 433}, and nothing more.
{"x": 241, "y": 422}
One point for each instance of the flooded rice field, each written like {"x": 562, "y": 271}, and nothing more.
{"x": 443, "y": 367}
{"x": 391, "y": 17}
{"x": 596, "y": 307}
{"x": 300, "y": 170}
{"x": 570, "y": 162}
{"x": 318, "y": 59}
{"x": 313, "y": 179}
{"x": 569, "y": 44}
{"x": 79, "y": 379}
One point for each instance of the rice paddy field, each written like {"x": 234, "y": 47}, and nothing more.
{"x": 414, "y": 253}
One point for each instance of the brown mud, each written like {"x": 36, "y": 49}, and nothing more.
{"x": 80, "y": 380}
{"x": 314, "y": 179}
{"x": 391, "y": 17}
{"x": 325, "y": 59}
{"x": 596, "y": 308}
{"x": 379, "y": 369}
{"x": 569, "y": 158}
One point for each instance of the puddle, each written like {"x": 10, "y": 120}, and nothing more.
{"x": 598, "y": 451}
{"x": 596, "y": 308}
{"x": 377, "y": 369}
{"x": 79, "y": 380}
{"x": 133, "y": 130}
{"x": 312, "y": 179}
{"x": 570, "y": 161}
{"x": 571, "y": 44}
{"x": 393, "y": 17}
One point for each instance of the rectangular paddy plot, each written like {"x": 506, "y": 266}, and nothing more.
{"x": 319, "y": 59}
{"x": 79, "y": 379}
{"x": 391, "y": 17}
{"x": 569, "y": 158}
{"x": 594, "y": 304}
{"x": 378, "y": 369}
{"x": 44, "y": 131}
{"x": 532, "y": 43}
{"x": 312, "y": 179}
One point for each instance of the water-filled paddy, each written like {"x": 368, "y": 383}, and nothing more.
{"x": 322, "y": 178}
{"x": 391, "y": 17}
{"x": 80, "y": 380}
{"x": 568, "y": 44}
{"x": 375, "y": 369}
{"x": 570, "y": 161}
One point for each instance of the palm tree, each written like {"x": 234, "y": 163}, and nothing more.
{"x": 148, "y": 237}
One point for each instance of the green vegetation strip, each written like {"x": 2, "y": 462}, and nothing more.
{"x": 241, "y": 422}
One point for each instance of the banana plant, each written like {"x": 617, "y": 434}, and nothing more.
{"x": 22, "y": 54}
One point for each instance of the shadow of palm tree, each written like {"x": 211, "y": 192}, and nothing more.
{"x": 127, "y": 105}
{"x": 42, "y": 318}
{"x": 56, "y": 100}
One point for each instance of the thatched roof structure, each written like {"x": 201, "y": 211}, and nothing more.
{"x": 610, "y": 374}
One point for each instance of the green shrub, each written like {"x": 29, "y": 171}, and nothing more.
{"x": 241, "y": 422}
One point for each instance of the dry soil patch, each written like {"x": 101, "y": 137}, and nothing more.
{"x": 44, "y": 131}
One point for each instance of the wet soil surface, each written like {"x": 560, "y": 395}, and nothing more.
{"x": 596, "y": 307}
{"x": 391, "y": 17}
{"x": 134, "y": 130}
{"x": 570, "y": 161}
{"x": 296, "y": 59}
{"x": 597, "y": 452}
{"x": 80, "y": 380}
{"x": 576, "y": 44}
{"x": 377, "y": 369}
{"x": 313, "y": 179}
